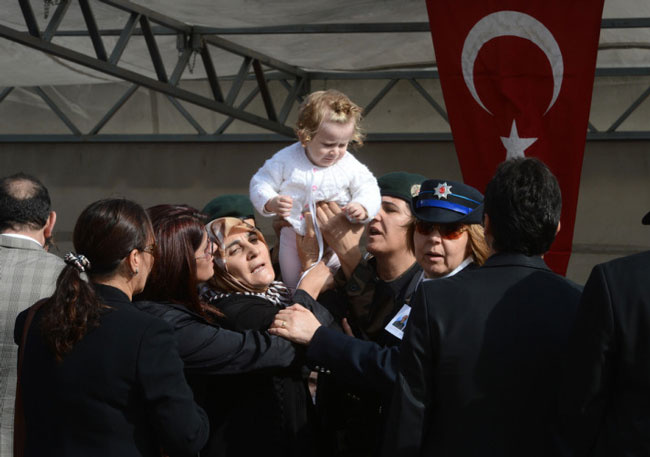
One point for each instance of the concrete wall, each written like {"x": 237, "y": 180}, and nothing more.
{"x": 614, "y": 190}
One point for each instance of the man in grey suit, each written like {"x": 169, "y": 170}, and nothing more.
{"x": 27, "y": 273}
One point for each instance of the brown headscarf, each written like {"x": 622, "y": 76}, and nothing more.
{"x": 223, "y": 283}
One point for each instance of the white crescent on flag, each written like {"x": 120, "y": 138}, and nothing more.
{"x": 511, "y": 23}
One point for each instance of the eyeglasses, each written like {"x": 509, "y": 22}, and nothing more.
{"x": 151, "y": 248}
{"x": 446, "y": 231}
{"x": 207, "y": 254}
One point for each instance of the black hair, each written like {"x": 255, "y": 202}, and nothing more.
{"x": 524, "y": 202}
{"x": 105, "y": 233}
{"x": 24, "y": 203}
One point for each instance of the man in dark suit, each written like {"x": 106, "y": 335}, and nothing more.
{"x": 605, "y": 395}
{"x": 27, "y": 273}
{"x": 480, "y": 360}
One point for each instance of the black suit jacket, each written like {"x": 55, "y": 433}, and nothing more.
{"x": 480, "y": 362}
{"x": 120, "y": 391}
{"x": 605, "y": 401}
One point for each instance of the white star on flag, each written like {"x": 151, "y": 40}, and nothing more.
{"x": 514, "y": 145}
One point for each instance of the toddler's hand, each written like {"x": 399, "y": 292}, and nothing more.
{"x": 355, "y": 212}
{"x": 281, "y": 205}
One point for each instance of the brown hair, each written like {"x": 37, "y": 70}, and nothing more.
{"x": 476, "y": 241}
{"x": 327, "y": 105}
{"x": 105, "y": 233}
{"x": 179, "y": 230}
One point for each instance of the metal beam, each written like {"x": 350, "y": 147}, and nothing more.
{"x": 640, "y": 99}
{"x": 264, "y": 91}
{"x": 30, "y": 19}
{"x": 373, "y": 27}
{"x": 266, "y": 137}
{"x": 59, "y": 113}
{"x": 93, "y": 30}
{"x": 222, "y": 128}
{"x": 111, "y": 112}
{"x": 429, "y": 99}
{"x": 56, "y": 19}
{"x": 125, "y": 36}
{"x": 105, "y": 67}
{"x": 382, "y": 93}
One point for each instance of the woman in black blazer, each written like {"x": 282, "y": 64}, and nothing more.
{"x": 99, "y": 377}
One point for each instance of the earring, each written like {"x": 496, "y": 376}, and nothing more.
{"x": 135, "y": 272}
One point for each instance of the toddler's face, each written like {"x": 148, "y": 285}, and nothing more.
{"x": 330, "y": 143}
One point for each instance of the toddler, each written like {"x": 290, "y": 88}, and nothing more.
{"x": 316, "y": 168}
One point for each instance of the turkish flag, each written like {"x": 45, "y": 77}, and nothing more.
{"x": 517, "y": 79}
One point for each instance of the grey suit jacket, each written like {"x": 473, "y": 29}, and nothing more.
{"x": 27, "y": 274}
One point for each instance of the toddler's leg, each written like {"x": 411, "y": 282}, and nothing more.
{"x": 288, "y": 257}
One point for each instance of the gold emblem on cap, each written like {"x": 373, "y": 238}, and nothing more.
{"x": 415, "y": 190}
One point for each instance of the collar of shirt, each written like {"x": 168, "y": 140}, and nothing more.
{"x": 22, "y": 237}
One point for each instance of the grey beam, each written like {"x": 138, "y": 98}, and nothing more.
{"x": 111, "y": 112}
{"x": 382, "y": 93}
{"x": 640, "y": 99}
{"x": 266, "y": 137}
{"x": 429, "y": 99}
{"x": 125, "y": 36}
{"x": 56, "y": 19}
{"x": 211, "y": 74}
{"x": 239, "y": 81}
{"x": 373, "y": 27}
{"x": 30, "y": 19}
{"x": 55, "y": 108}
{"x": 188, "y": 117}
{"x": 222, "y": 128}
{"x": 264, "y": 91}
{"x": 152, "y": 46}
{"x": 6, "y": 91}
{"x": 105, "y": 67}
{"x": 93, "y": 30}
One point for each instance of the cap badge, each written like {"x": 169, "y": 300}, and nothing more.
{"x": 442, "y": 190}
{"x": 415, "y": 190}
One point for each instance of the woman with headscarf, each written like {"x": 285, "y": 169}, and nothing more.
{"x": 273, "y": 407}
{"x": 214, "y": 356}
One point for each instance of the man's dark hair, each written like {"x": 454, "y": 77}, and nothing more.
{"x": 524, "y": 202}
{"x": 24, "y": 203}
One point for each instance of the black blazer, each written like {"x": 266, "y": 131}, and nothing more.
{"x": 480, "y": 362}
{"x": 605, "y": 401}
{"x": 119, "y": 392}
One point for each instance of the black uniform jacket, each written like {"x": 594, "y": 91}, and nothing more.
{"x": 480, "y": 362}
{"x": 605, "y": 401}
{"x": 119, "y": 392}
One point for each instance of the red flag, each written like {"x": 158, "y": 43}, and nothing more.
{"x": 517, "y": 78}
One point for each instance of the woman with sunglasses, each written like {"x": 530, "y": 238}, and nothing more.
{"x": 446, "y": 235}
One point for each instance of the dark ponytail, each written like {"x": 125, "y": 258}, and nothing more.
{"x": 105, "y": 233}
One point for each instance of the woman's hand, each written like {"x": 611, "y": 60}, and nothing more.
{"x": 295, "y": 323}
{"x": 318, "y": 279}
{"x": 340, "y": 234}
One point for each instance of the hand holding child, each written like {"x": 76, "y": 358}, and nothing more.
{"x": 281, "y": 205}
{"x": 355, "y": 212}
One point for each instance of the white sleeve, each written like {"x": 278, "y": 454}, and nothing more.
{"x": 265, "y": 184}
{"x": 364, "y": 189}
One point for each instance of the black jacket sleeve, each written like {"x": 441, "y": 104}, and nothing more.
{"x": 357, "y": 362}
{"x": 181, "y": 425}
{"x": 412, "y": 395}
{"x": 589, "y": 365}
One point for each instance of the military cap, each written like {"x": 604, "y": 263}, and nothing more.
{"x": 233, "y": 205}
{"x": 646, "y": 219}
{"x": 447, "y": 202}
{"x": 400, "y": 184}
